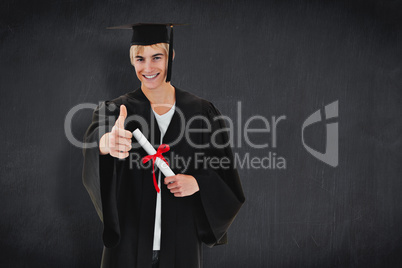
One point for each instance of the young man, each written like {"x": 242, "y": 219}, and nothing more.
{"x": 143, "y": 227}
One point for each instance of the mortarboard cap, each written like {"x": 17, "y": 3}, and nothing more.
{"x": 146, "y": 34}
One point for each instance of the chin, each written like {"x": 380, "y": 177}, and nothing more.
{"x": 155, "y": 84}
{"x": 152, "y": 85}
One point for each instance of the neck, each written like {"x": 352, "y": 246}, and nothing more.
{"x": 162, "y": 98}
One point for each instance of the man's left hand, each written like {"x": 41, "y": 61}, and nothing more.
{"x": 182, "y": 185}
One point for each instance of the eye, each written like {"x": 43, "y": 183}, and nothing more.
{"x": 157, "y": 58}
{"x": 139, "y": 59}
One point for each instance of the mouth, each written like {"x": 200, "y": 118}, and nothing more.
{"x": 150, "y": 76}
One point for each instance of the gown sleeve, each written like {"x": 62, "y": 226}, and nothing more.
{"x": 221, "y": 194}
{"x": 99, "y": 173}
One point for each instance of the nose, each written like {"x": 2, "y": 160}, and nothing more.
{"x": 148, "y": 66}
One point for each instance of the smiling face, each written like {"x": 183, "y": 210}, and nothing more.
{"x": 150, "y": 63}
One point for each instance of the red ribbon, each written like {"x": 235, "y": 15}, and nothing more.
{"x": 163, "y": 148}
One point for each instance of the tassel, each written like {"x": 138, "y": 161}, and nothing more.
{"x": 170, "y": 57}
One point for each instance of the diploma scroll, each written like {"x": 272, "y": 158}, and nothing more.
{"x": 163, "y": 167}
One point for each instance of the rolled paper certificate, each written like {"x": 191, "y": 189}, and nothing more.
{"x": 163, "y": 167}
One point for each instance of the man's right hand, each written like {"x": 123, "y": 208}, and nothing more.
{"x": 117, "y": 143}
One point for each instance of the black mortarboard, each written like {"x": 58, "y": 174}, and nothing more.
{"x": 145, "y": 34}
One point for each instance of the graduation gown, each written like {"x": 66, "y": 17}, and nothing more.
{"x": 124, "y": 196}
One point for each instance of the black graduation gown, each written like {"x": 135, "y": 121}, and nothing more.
{"x": 125, "y": 197}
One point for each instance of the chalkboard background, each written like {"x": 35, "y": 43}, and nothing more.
{"x": 276, "y": 58}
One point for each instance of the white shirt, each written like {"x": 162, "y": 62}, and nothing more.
{"x": 163, "y": 123}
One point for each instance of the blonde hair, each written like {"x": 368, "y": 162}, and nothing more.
{"x": 136, "y": 49}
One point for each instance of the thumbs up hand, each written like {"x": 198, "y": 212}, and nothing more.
{"x": 117, "y": 143}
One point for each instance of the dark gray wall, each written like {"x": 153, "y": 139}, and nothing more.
{"x": 276, "y": 57}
